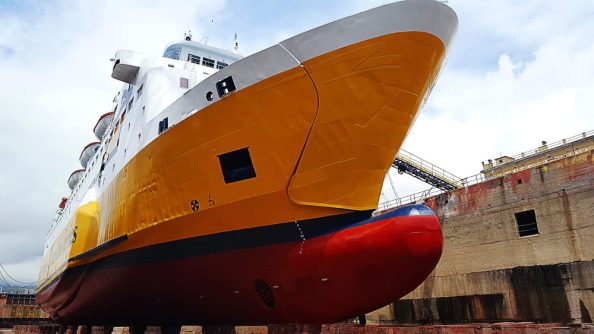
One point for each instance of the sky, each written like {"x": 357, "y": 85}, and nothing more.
{"x": 518, "y": 72}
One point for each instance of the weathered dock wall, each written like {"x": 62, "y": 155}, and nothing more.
{"x": 19, "y": 309}
{"x": 340, "y": 328}
{"x": 519, "y": 247}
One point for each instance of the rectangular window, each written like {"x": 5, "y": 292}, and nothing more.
{"x": 208, "y": 62}
{"x": 225, "y": 86}
{"x": 130, "y": 104}
{"x": 526, "y": 221}
{"x": 237, "y": 165}
{"x": 183, "y": 83}
{"x": 220, "y": 65}
{"x": 193, "y": 59}
{"x": 163, "y": 125}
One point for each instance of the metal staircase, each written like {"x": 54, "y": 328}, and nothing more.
{"x": 406, "y": 162}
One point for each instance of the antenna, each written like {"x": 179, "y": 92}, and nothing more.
{"x": 188, "y": 35}
{"x": 236, "y": 47}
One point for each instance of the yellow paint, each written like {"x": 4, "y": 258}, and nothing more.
{"x": 86, "y": 227}
{"x": 367, "y": 97}
{"x": 55, "y": 260}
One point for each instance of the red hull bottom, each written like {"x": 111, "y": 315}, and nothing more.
{"x": 325, "y": 279}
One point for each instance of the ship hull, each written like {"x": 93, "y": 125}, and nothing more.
{"x": 346, "y": 269}
{"x": 170, "y": 238}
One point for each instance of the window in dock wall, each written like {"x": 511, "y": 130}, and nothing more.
{"x": 208, "y": 62}
{"x": 526, "y": 221}
{"x": 237, "y": 165}
{"x": 193, "y": 59}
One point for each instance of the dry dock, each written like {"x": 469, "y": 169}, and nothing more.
{"x": 518, "y": 247}
{"x": 499, "y": 328}
{"x": 518, "y": 243}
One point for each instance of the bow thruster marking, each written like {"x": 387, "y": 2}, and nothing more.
{"x": 195, "y": 205}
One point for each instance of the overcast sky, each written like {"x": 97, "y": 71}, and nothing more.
{"x": 518, "y": 72}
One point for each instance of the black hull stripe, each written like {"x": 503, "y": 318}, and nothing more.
{"x": 220, "y": 242}
{"x": 234, "y": 240}
{"x": 242, "y": 239}
{"x": 100, "y": 248}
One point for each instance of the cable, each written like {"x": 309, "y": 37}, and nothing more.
{"x": 27, "y": 284}
{"x": 3, "y": 280}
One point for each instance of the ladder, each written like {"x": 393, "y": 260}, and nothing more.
{"x": 406, "y": 162}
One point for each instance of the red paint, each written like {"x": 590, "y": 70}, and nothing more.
{"x": 366, "y": 267}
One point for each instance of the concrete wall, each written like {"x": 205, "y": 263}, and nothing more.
{"x": 489, "y": 273}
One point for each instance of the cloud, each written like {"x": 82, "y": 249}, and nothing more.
{"x": 532, "y": 82}
{"x": 5, "y": 51}
{"x": 518, "y": 73}
{"x": 54, "y": 85}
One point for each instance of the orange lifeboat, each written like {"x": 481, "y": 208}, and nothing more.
{"x": 62, "y": 204}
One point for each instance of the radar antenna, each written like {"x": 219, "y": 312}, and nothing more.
{"x": 188, "y": 35}
{"x": 236, "y": 47}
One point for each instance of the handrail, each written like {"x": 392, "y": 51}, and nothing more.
{"x": 471, "y": 180}
{"x": 427, "y": 166}
{"x": 15, "y": 290}
{"x": 423, "y": 195}
{"x": 537, "y": 151}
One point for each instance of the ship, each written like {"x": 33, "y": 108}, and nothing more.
{"x": 240, "y": 190}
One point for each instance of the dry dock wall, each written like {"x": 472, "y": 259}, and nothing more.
{"x": 342, "y": 328}
{"x": 14, "y": 307}
{"x": 488, "y": 272}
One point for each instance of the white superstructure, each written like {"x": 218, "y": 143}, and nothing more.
{"x": 151, "y": 84}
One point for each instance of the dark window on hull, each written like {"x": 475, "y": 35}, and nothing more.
{"x": 237, "y": 165}
{"x": 163, "y": 125}
{"x": 225, "y": 86}
{"x": 526, "y": 221}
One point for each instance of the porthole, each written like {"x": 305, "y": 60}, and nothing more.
{"x": 209, "y": 96}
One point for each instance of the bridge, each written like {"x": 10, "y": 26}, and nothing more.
{"x": 406, "y": 162}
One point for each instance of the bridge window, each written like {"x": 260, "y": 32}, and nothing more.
{"x": 220, "y": 65}
{"x": 193, "y": 59}
{"x": 526, "y": 221}
{"x": 172, "y": 52}
{"x": 208, "y": 62}
{"x": 237, "y": 165}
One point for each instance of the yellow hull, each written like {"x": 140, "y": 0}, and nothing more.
{"x": 321, "y": 138}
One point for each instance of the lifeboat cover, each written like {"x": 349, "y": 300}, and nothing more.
{"x": 102, "y": 124}
{"x": 75, "y": 178}
{"x": 88, "y": 152}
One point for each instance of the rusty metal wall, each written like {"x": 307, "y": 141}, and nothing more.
{"x": 489, "y": 273}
